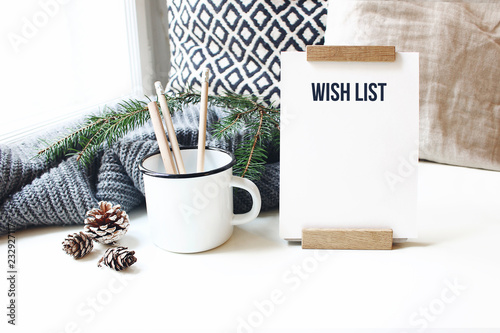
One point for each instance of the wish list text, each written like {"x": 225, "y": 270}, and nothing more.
{"x": 358, "y": 92}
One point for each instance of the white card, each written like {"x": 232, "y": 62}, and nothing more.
{"x": 349, "y": 157}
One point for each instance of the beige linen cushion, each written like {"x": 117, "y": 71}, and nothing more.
{"x": 459, "y": 45}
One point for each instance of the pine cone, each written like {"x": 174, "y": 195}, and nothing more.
{"x": 118, "y": 258}
{"x": 106, "y": 224}
{"x": 78, "y": 245}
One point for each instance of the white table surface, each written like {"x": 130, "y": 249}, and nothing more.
{"x": 447, "y": 278}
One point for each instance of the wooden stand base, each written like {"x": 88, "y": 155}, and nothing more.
{"x": 347, "y": 239}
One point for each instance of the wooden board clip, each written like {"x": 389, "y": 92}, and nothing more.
{"x": 347, "y": 239}
{"x": 350, "y": 53}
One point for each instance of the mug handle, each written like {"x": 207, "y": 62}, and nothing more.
{"x": 251, "y": 188}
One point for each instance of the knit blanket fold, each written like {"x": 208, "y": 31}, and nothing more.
{"x": 34, "y": 192}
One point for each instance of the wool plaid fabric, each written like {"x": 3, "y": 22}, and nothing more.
{"x": 36, "y": 193}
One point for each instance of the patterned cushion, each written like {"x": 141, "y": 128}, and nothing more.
{"x": 459, "y": 46}
{"x": 240, "y": 41}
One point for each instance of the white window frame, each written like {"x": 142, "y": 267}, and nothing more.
{"x": 140, "y": 18}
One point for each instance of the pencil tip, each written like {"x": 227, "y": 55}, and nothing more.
{"x": 159, "y": 88}
{"x": 207, "y": 73}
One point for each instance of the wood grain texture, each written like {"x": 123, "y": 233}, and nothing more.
{"x": 350, "y": 53}
{"x": 202, "y": 129}
{"x": 171, "y": 133}
{"x": 347, "y": 239}
{"x": 161, "y": 137}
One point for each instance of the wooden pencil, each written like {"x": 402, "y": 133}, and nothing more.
{"x": 202, "y": 131}
{"x": 168, "y": 163}
{"x": 170, "y": 127}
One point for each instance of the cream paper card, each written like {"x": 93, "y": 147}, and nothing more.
{"x": 349, "y": 144}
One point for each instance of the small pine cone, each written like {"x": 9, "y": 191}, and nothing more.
{"x": 117, "y": 258}
{"x": 78, "y": 245}
{"x": 106, "y": 224}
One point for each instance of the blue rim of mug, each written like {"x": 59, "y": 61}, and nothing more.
{"x": 152, "y": 173}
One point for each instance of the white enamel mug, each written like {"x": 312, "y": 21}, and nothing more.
{"x": 193, "y": 212}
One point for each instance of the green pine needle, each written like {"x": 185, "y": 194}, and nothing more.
{"x": 258, "y": 119}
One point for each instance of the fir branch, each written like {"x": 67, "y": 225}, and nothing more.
{"x": 61, "y": 147}
{"x": 234, "y": 121}
{"x": 97, "y": 131}
{"x": 256, "y": 138}
{"x": 257, "y": 120}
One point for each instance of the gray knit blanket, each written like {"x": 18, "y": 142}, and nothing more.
{"x": 34, "y": 192}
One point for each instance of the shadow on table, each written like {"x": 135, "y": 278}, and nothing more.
{"x": 404, "y": 245}
{"x": 395, "y": 246}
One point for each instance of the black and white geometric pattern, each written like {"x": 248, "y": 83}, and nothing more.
{"x": 240, "y": 41}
